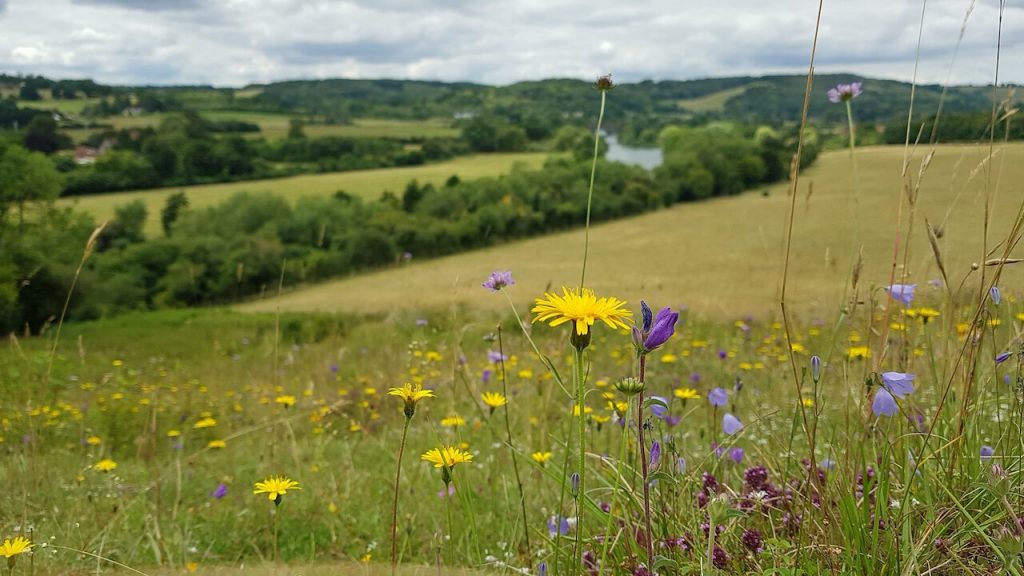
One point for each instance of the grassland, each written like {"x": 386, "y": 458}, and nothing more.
{"x": 723, "y": 258}
{"x": 714, "y": 102}
{"x": 363, "y": 183}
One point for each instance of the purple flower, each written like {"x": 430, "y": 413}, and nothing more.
{"x": 485, "y": 376}
{"x": 655, "y": 454}
{"x": 495, "y": 357}
{"x": 695, "y": 377}
{"x": 421, "y": 321}
{"x": 658, "y": 407}
{"x": 498, "y": 280}
{"x": 898, "y": 383}
{"x": 718, "y": 397}
{"x": 542, "y": 569}
{"x": 574, "y": 484}
{"x": 220, "y": 492}
{"x": 987, "y": 452}
{"x": 903, "y": 292}
{"x": 995, "y": 295}
{"x": 736, "y": 455}
{"x": 752, "y": 540}
{"x": 1003, "y": 357}
{"x": 845, "y": 92}
{"x": 656, "y": 330}
{"x": 557, "y": 525}
{"x": 681, "y": 465}
{"x": 884, "y": 404}
{"x": 731, "y": 424}
{"x": 815, "y": 368}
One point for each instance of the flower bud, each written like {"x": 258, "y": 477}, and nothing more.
{"x": 815, "y": 368}
{"x": 574, "y": 484}
{"x": 629, "y": 386}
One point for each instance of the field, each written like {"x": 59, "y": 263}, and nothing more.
{"x": 714, "y": 102}
{"x": 853, "y": 441}
{"x": 723, "y": 258}
{"x": 363, "y": 183}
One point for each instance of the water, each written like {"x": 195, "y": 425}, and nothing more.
{"x": 648, "y": 158}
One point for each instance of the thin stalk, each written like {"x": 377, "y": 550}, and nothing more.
{"x": 643, "y": 466}
{"x": 394, "y": 507}
{"x": 511, "y": 448}
{"x": 580, "y": 393}
{"x": 590, "y": 190}
{"x": 615, "y": 492}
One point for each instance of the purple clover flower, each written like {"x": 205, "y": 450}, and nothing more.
{"x": 718, "y": 397}
{"x": 498, "y": 280}
{"x": 845, "y": 92}
{"x": 902, "y": 292}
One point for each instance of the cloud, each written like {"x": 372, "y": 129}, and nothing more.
{"x": 236, "y": 42}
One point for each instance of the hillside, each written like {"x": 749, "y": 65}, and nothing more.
{"x": 723, "y": 257}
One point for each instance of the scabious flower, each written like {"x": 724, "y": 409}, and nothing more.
{"x": 275, "y": 487}
{"x": 582, "y": 308}
{"x": 410, "y": 394}
{"x": 656, "y": 330}
{"x": 845, "y": 92}
{"x": 498, "y": 280}
{"x": 718, "y": 397}
{"x": 903, "y": 292}
{"x": 731, "y": 424}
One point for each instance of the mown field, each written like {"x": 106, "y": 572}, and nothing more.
{"x": 723, "y": 258}
{"x": 363, "y": 183}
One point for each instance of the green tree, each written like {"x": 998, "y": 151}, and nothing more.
{"x": 41, "y": 135}
{"x": 172, "y": 209}
{"x": 26, "y": 178}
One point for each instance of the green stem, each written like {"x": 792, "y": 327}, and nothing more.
{"x": 590, "y": 190}
{"x": 511, "y": 447}
{"x": 580, "y": 394}
{"x": 615, "y": 493}
{"x": 643, "y": 466}
{"x": 849, "y": 125}
{"x": 394, "y": 507}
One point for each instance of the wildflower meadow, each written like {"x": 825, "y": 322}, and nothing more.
{"x": 566, "y": 431}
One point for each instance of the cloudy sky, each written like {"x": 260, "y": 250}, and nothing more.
{"x": 236, "y": 42}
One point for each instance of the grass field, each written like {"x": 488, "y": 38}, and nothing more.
{"x": 723, "y": 257}
{"x": 363, "y": 183}
{"x": 714, "y": 102}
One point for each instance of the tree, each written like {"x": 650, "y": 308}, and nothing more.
{"x": 41, "y": 135}
{"x": 172, "y": 209}
{"x": 126, "y": 227}
{"x": 29, "y": 92}
{"x": 26, "y": 177}
{"x": 295, "y": 131}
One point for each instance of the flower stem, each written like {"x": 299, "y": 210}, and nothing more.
{"x": 615, "y": 492}
{"x": 511, "y": 448}
{"x": 590, "y": 190}
{"x": 394, "y": 507}
{"x": 849, "y": 125}
{"x": 582, "y": 494}
{"x": 643, "y": 466}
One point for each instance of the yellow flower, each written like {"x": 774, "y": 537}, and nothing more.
{"x": 94, "y": 441}
{"x": 11, "y": 548}
{"x": 173, "y": 433}
{"x": 411, "y": 394}
{"x": 994, "y": 322}
{"x": 446, "y": 456}
{"x": 285, "y": 400}
{"x": 583, "y": 309}
{"x": 493, "y": 399}
{"x": 1020, "y": 316}
{"x": 453, "y": 421}
{"x": 798, "y": 348}
{"x": 207, "y": 422}
{"x": 217, "y": 444}
{"x": 576, "y": 410}
{"x": 105, "y": 465}
{"x": 541, "y": 457}
{"x": 600, "y": 419}
{"x": 686, "y": 394}
{"x": 807, "y": 402}
{"x": 275, "y": 487}
{"x": 858, "y": 352}
{"x": 926, "y": 314}
{"x": 962, "y": 328}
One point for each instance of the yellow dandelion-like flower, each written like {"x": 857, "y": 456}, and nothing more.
{"x": 207, "y": 422}
{"x": 686, "y": 394}
{"x": 798, "y": 348}
{"x": 11, "y": 548}
{"x": 858, "y": 352}
{"x": 285, "y": 400}
{"x": 994, "y": 322}
{"x": 807, "y": 402}
{"x": 926, "y": 314}
{"x": 669, "y": 358}
{"x": 105, "y": 465}
{"x": 446, "y": 456}
{"x": 173, "y": 433}
{"x": 576, "y": 410}
{"x": 599, "y": 419}
{"x": 493, "y": 399}
{"x": 1020, "y": 316}
{"x": 94, "y": 441}
{"x": 453, "y": 421}
{"x": 541, "y": 457}
{"x": 411, "y": 394}
{"x": 275, "y": 487}
{"x": 582, "y": 308}
{"x": 217, "y": 444}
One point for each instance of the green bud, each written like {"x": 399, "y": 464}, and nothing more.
{"x": 629, "y": 386}
{"x": 579, "y": 341}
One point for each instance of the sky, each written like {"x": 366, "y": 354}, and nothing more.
{"x": 240, "y": 42}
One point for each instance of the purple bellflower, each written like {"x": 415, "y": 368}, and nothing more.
{"x": 903, "y": 292}
{"x": 884, "y": 404}
{"x": 657, "y": 329}
{"x": 995, "y": 295}
{"x": 987, "y": 452}
{"x": 731, "y": 424}
{"x": 718, "y": 397}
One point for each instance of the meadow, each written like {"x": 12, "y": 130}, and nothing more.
{"x": 368, "y": 184}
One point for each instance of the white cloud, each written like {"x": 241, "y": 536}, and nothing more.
{"x": 234, "y": 42}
